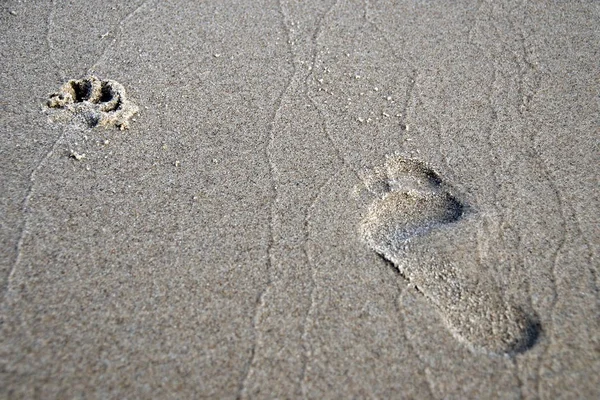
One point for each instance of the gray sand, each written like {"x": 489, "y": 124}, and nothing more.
{"x": 217, "y": 248}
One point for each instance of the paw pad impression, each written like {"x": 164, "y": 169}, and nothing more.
{"x": 93, "y": 101}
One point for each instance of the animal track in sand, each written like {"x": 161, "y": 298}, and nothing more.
{"x": 412, "y": 204}
{"x": 95, "y": 102}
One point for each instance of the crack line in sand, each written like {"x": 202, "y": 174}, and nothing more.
{"x": 322, "y": 119}
{"x": 113, "y": 44}
{"x": 25, "y": 212}
{"x": 474, "y": 19}
{"x": 303, "y": 335}
{"x": 401, "y": 318}
{"x": 536, "y": 155}
{"x": 556, "y": 253}
{"x": 517, "y": 373}
{"x": 492, "y": 93}
{"x": 401, "y": 312}
{"x": 558, "y": 250}
{"x": 49, "y": 43}
{"x": 441, "y": 146}
{"x": 494, "y": 121}
{"x": 527, "y": 100}
{"x": 590, "y": 252}
{"x": 543, "y": 168}
{"x": 260, "y": 301}
{"x": 313, "y": 286}
{"x": 414, "y": 73}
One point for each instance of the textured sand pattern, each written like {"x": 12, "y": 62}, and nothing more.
{"x": 214, "y": 250}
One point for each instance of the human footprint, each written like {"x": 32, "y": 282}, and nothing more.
{"x": 413, "y": 209}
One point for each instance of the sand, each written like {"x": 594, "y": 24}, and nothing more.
{"x": 310, "y": 199}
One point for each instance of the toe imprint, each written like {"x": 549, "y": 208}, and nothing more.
{"x": 412, "y": 202}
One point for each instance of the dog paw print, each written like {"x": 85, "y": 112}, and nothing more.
{"x": 93, "y": 101}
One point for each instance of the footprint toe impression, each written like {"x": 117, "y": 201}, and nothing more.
{"x": 412, "y": 202}
{"x": 95, "y": 102}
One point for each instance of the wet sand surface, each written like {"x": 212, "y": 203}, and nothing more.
{"x": 319, "y": 199}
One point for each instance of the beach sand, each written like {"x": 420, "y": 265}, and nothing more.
{"x": 316, "y": 199}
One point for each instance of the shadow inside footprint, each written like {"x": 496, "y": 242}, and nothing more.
{"x": 412, "y": 202}
{"x": 404, "y": 215}
{"x": 81, "y": 90}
